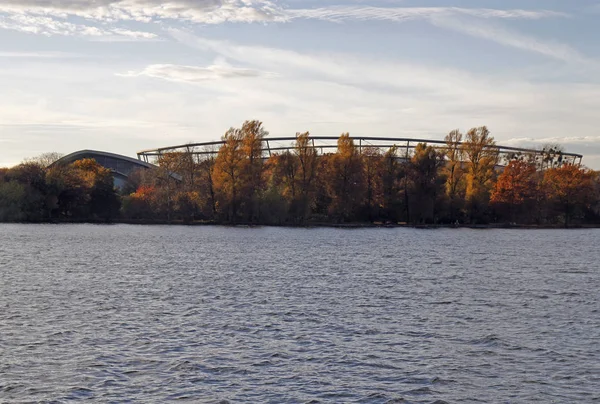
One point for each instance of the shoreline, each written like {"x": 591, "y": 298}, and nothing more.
{"x": 314, "y": 225}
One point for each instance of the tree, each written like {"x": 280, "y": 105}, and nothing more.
{"x": 482, "y": 158}
{"x": 102, "y": 199}
{"x": 569, "y": 189}
{"x": 32, "y": 177}
{"x": 68, "y": 192}
{"x": 372, "y": 162}
{"x": 206, "y": 167}
{"x": 345, "y": 179}
{"x": 515, "y": 189}
{"x": 168, "y": 177}
{"x": 283, "y": 169}
{"x": 138, "y": 205}
{"x": 12, "y": 195}
{"x": 228, "y": 173}
{"x": 186, "y": 205}
{"x": 253, "y": 184}
{"x": 552, "y": 156}
{"x": 307, "y": 173}
{"x": 390, "y": 182}
{"x": 454, "y": 172}
{"x": 425, "y": 182}
{"x": 44, "y": 160}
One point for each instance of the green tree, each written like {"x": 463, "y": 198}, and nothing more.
{"x": 12, "y": 195}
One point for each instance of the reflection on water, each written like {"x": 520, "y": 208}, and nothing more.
{"x": 205, "y": 314}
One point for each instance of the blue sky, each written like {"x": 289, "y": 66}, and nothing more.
{"x": 127, "y": 75}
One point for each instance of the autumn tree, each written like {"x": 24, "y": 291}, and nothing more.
{"x": 569, "y": 190}
{"x": 390, "y": 175}
{"x": 139, "y": 204}
{"x": 206, "y": 163}
{"x": 372, "y": 162}
{"x": 426, "y": 185}
{"x": 454, "y": 171}
{"x": 253, "y": 184}
{"x": 514, "y": 192}
{"x": 280, "y": 172}
{"x": 81, "y": 190}
{"x": 67, "y": 192}
{"x": 228, "y": 173}
{"x": 307, "y": 157}
{"x": 345, "y": 179}
{"x": 188, "y": 170}
{"x": 186, "y": 205}
{"x": 482, "y": 154}
{"x": 104, "y": 203}
{"x": 283, "y": 178}
{"x": 168, "y": 177}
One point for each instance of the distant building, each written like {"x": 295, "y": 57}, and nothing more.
{"x": 120, "y": 166}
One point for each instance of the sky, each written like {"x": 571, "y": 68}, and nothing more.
{"x": 127, "y": 75}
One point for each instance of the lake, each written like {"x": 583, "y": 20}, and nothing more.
{"x": 143, "y": 314}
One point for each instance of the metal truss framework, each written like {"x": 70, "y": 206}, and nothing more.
{"x": 324, "y": 144}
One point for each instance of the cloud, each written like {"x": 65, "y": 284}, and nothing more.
{"x": 465, "y": 20}
{"x": 505, "y": 37}
{"x": 345, "y": 13}
{"x": 194, "y": 74}
{"x": 340, "y": 68}
{"x": 54, "y": 17}
{"x": 39, "y": 55}
{"x": 50, "y": 26}
{"x": 409, "y": 99}
{"x": 198, "y": 11}
{"x": 219, "y": 11}
{"x": 555, "y": 140}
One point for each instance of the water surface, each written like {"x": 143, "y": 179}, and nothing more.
{"x": 251, "y": 315}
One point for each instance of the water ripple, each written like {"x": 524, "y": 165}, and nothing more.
{"x": 144, "y": 314}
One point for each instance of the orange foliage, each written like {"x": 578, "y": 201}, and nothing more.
{"x": 516, "y": 184}
{"x": 144, "y": 192}
{"x": 569, "y": 184}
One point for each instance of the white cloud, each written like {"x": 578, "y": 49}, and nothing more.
{"x": 198, "y": 11}
{"x": 39, "y": 55}
{"x": 343, "y": 69}
{"x": 52, "y": 18}
{"x": 382, "y": 97}
{"x": 464, "y": 20}
{"x": 324, "y": 93}
{"x": 503, "y": 36}
{"x": 344, "y": 13}
{"x": 49, "y": 26}
{"x": 219, "y": 11}
{"x": 556, "y": 139}
{"x": 194, "y": 74}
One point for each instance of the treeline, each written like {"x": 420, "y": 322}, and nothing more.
{"x": 33, "y": 192}
{"x": 460, "y": 183}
